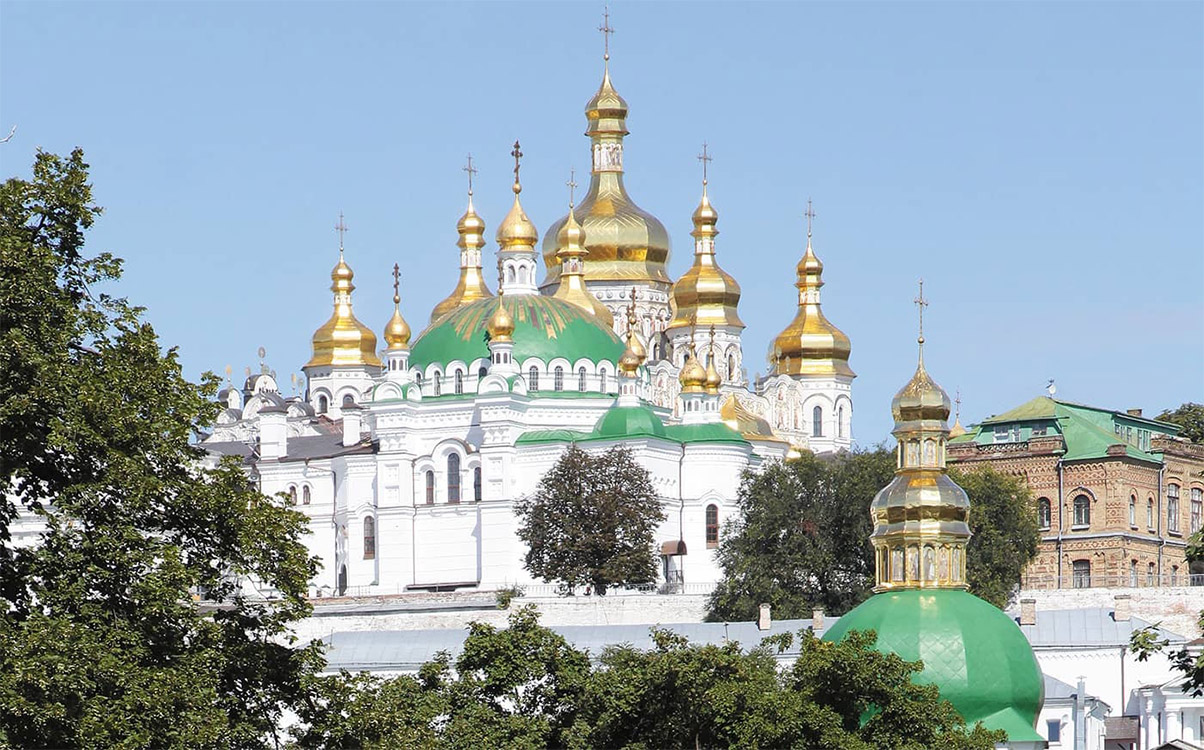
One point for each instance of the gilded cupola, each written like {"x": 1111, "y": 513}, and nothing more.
{"x": 921, "y": 519}
{"x": 714, "y": 379}
{"x": 572, "y": 258}
{"x": 516, "y": 238}
{"x": 635, "y": 353}
{"x": 626, "y": 244}
{"x": 693, "y": 376}
{"x": 471, "y": 286}
{"x": 810, "y": 345}
{"x": 343, "y": 340}
{"x": 397, "y": 331}
{"x": 705, "y": 294}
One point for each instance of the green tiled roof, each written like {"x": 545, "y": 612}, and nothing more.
{"x": 544, "y": 327}
{"x": 1088, "y": 431}
{"x": 714, "y": 432}
{"x": 629, "y": 421}
{"x": 971, "y": 650}
{"x": 633, "y": 422}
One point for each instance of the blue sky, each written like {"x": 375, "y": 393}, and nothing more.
{"x": 1041, "y": 165}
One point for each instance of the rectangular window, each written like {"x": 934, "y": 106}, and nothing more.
{"x": 1001, "y": 433}
{"x": 1039, "y": 429}
{"x": 1172, "y": 508}
{"x": 1082, "y": 574}
{"x": 1053, "y": 730}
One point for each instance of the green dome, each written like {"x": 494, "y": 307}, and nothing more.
{"x": 629, "y": 421}
{"x": 544, "y": 327}
{"x": 971, "y": 650}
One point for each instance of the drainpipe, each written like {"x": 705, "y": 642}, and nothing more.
{"x": 1061, "y": 521}
{"x": 1161, "y": 536}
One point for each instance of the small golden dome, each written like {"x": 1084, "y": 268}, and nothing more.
{"x": 705, "y": 217}
{"x": 606, "y": 110}
{"x": 500, "y": 325}
{"x": 705, "y": 294}
{"x": 811, "y": 344}
{"x": 693, "y": 377}
{"x": 471, "y": 285}
{"x": 957, "y": 430}
{"x": 470, "y": 223}
{"x": 397, "y": 331}
{"x": 921, "y": 399}
{"x": 342, "y": 275}
{"x": 516, "y": 229}
{"x": 631, "y": 360}
{"x": 572, "y": 287}
{"x": 571, "y": 236}
{"x": 343, "y": 339}
{"x": 714, "y": 379}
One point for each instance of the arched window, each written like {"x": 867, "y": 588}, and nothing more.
{"x": 459, "y": 382}
{"x": 602, "y": 380}
{"x": 731, "y": 367}
{"x": 1082, "y": 574}
{"x": 1172, "y": 508}
{"x": 1133, "y": 511}
{"x": 1151, "y": 575}
{"x": 1149, "y": 514}
{"x": 533, "y": 379}
{"x": 1133, "y": 573}
{"x": 430, "y": 488}
{"x": 1197, "y": 508}
{"x": 306, "y": 496}
{"x": 418, "y": 379}
{"x": 482, "y": 372}
{"x": 323, "y": 404}
{"x": 840, "y": 421}
{"x": 1174, "y": 575}
{"x": 1082, "y": 510}
{"x": 476, "y": 484}
{"x": 817, "y": 422}
{"x": 292, "y": 495}
{"x": 712, "y": 526}
{"x": 453, "y": 478}
{"x": 558, "y": 379}
{"x": 581, "y": 379}
{"x": 1043, "y": 512}
{"x": 435, "y": 382}
{"x": 348, "y": 399}
{"x": 369, "y": 538}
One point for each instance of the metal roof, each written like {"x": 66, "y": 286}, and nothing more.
{"x": 1089, "y": 627}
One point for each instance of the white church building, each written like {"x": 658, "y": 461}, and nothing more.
{"x": 408, "y": 460}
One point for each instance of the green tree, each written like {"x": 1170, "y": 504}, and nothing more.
{"x": 801, "y": 539}
{"x": 1004, "y": 533}
{"x": 101, "y": 641}
{"x": 1189, "y": 416}
{"x": 591, "y": 522}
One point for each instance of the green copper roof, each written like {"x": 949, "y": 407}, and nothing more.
{"x": 544, "y": 327}
{"x": 1087, "y": 431}
{"x": 714, "y": 432}
{"x": 971, "y": 650}
{"x": 533, "y": 437}
{"x": 629, "y": 421}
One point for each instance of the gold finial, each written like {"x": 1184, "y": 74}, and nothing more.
{"x": 471, "y": 173}
{"x": 631, "y": 311}
{"x": 397, "y": 331}
{"x": 571, "y": 185}
{"x": 341, "y": 228}
{"x": 606, "y": 32}
{"x": 705, "y": 158}
{"x": 958, "y": 401}
{"x": 921, "y": 303}
{"x": 229, "y": 369}
{"x": 714, "y": 379}
{"x": 517, "y": 154}
{"x": 810, "y": 218}
{"x": 396, "y": 284}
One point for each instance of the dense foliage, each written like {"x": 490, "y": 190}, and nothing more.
{"x": 591, "y": 522}
{"x": 801, "y": 539}
{"x": 1189, "y": 416}
{"x": 526, "y": 687}
{"x": 101, "y": 641}
{"x": 1004, "y": 533}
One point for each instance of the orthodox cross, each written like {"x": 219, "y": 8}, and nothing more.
{"x": 810, "y": 216}
{"x": 958, "y": 414}
{"x": 572, "y": 185}
{"x": 397, "y": 281}
{"x": 606, "y": 32}
{"x": 341, "y": 228}
{"x": 712, "y": 341}
{"x": 517, "y": 154}
{"x": 705, "y": 158}
{"x": 471, "y": 173}
{"x": 631, "y": 311}
{"x": 921, "y": 303}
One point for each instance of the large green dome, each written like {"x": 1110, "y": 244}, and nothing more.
{"x": 971, "y": 650}
{"x": 544, "y": 327}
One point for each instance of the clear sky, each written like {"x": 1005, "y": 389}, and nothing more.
{"x": 1041, "y": 165}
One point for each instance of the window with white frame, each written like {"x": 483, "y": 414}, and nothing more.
{"x": 1197, "y": 508}
{"x": 1172, "y": 508}
{"x": 533, "y": 378}
{"x": 558, "y": 379}
{"x": 1082, "y": 510}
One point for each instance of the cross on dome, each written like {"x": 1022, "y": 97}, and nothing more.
{"x": 341, "y": 228}
{"x": 471, "y": 173}
{"x": 517, "y": 154}
{"x": 810, "y": 214}
{"x": 705, "y": 158}
{"x": 606, "y": 30}
{"x": 572, "y": 185}
{"x": 921, "y": 303}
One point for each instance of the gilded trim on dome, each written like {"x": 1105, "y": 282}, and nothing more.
{"x": 343, "y": 340}
{"x": 810, "y": 345}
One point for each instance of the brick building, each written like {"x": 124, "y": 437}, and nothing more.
{"x": 1117, "y": 494}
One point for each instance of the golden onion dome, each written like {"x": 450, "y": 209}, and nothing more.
{"x": 625, "y": 243}
{"x": 397, "y": 330}
{"x": 811, "y": 344}
{"x": 571, "y": 236}
{"x": 501, "y": 325}
{"x": 749, "y": 425}
{"x": 714, "y": 379}
{"x": 693, "y": 377}
{"x": 572, "y": 281}
{"x": 516, "y": 230}
{"x": 632, "y": 357}
{"x": 471, "y": 285}
{"x": 343, "y": 340}
{"x": 705, "y": 294}
{"x": 921, "y": 399}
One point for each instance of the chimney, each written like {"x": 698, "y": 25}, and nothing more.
{"x": 1134, "y": 412}
{"x": 273, "y": 432}
{"x": 1121, "y": 610}
{"x": 351, "y": 424}
{"x": 817, "y": 620}
{"x": 1028, "y": 611}
{"x": 763, "y": 620}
